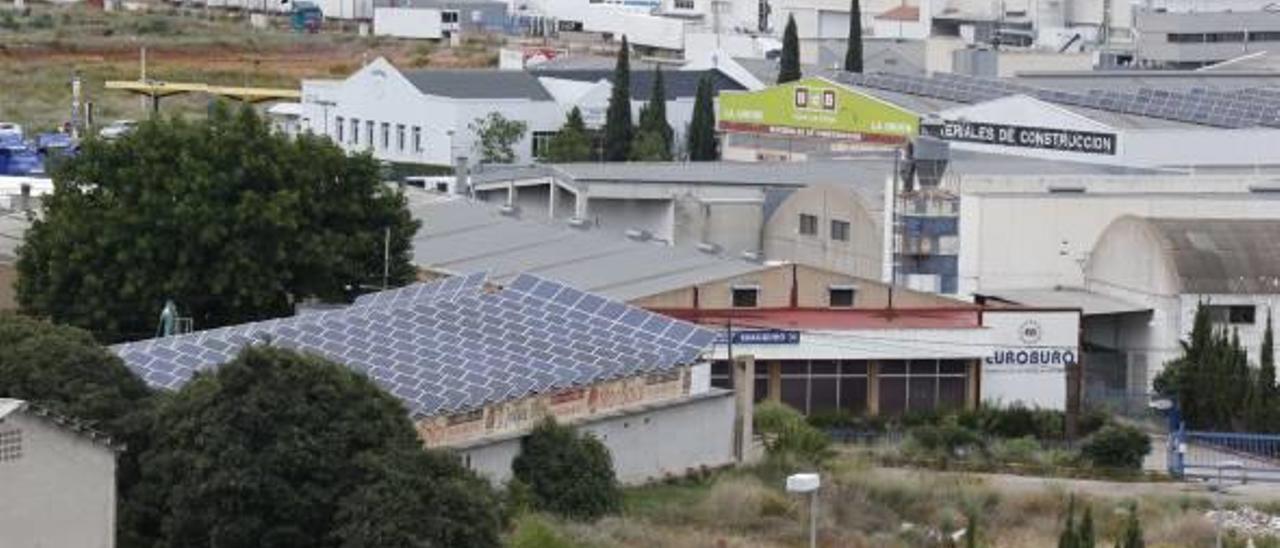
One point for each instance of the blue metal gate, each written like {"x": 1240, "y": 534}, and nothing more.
{"x": 1235, "y": 457}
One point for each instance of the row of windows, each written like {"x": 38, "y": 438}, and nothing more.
{"x": 352, "y": 135}
{"x": 748, "y": 296}
{"x": 1222, "y": 37}
{"x": 809, "y": 227}
{"x": 818, "y": 386}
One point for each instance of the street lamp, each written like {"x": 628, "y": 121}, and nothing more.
{"x": 807, "y": 483}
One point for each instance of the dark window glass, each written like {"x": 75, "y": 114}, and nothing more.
{"x": 893, "y": 395}
{"x": 808, "y": 224}
{"x": 720, "y": 369}
{"x": 951, "y": 392}
{"x": 823, "y": 367}
{"x": 924, "y": 367}
{"x": 952, "y": 367}
{"x": 893, "y": 368}
{"x": 795, "y": 392}
{"x": 853, "y": 394}
{"x": 923, "y": 393}
{"x": 841, "y": 296}
{"x": 761, "y": 389}
{"x": 722, "y": 382}
{"x": 745, "y": 297}
{"x": 850, "y": 367}
{"x": 840, "y": 230}
{"x": 822, "y": 395}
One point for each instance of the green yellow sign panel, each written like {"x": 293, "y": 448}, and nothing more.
{"x": 816, "y": 107}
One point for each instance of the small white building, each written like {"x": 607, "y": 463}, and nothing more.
{"x": 59, "y": 480}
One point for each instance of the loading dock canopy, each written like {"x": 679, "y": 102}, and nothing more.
{"x": 1089, "y": 303}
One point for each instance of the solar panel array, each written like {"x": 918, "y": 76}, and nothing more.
{"x": 450, "y": 346}
{"x": 1248, "y": 108}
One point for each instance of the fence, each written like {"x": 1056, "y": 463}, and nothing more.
{"x": 1229, "y": 456}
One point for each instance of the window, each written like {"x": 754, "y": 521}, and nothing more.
{"x": 417, "y": 139}
{"x": 355, "y": 131}
{"x": 1264, "y": 36}
{"x": 808, "y": 224}
{"x": 1233, "y": 314}
{"x": 339, "y": 123}
{"x": 449, "y": 16}
{"x": 920, "y": 385}
{"x": 400, "y": 137}
{"x": 542, "y": 140}
{"x": 841, "y": 296}
{"x": 746, "y": 296}
{"x": 840, "y": 230}
{"x": 386, "y": 136}
{"x": 368, "y": 133}
{"x": 10, "y": 445}
{"x": 684, "y": 4}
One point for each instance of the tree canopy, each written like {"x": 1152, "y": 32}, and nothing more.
{"x": 231, "y": 220}
{"x": 572, "y": 143}
{"x": 701, "y": 137}
{"x": 654, "y": 137}
{"x": 618, "y": 132}
{"x": 496, "y": 135}
{"x": 789, "y": 64}
{"x": 853, "y": 51}
{"x": 280, "y": 449}
{"x": 567, "y": 473}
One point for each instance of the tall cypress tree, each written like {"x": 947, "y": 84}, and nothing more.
{"x": 702, "y": 128}
{"x": 1267, "y": 366}
{"x": 654, "y": 127}
{"x": 853, "y": 55}
{"x": 789, "y": 65}
{"x": 618, "y": 132}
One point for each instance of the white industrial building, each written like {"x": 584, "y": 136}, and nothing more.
{"x": 425, "y": 116}
{"x": 59, "y": 480}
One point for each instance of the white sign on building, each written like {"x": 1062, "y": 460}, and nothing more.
{"x": 1028, "y": 357}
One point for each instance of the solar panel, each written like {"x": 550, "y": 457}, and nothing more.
{"x": 450, "y": 346}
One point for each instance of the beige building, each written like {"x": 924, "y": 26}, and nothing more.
{"x": 59, "y": 481}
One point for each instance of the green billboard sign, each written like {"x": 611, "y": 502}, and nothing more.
{"x": 816, "y": 107}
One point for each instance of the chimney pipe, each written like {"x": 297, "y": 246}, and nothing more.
{"x": 24, "y": 198}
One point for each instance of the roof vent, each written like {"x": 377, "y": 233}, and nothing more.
{"x": 1270, "y": 187}
{"x": 754, "y": 256}
{"x": 509, "y": 210}
{"x": 1066, "y": 189}
{"x": 709, "y": 248}
{"x": 639, "y": 235}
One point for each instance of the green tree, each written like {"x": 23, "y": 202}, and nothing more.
{"x": 1132, "y": 530}
{"x": 1264, "y": 402}
{"x": 1069, "y": 537}
{"x": 1211, "y": 381}
{"x": 63, "y": 370}
{"x": 789, "y": 64}
{"x": 971, "y": 529}
{"x": 1085, "y": 535}
{"x": 571, "y": 143}
{"x": 277, "y": 448}
{"x": 568, "y": 473}
{"x": 497, "y": 136}
{"x": 1116, "y": 446}
{"x": 649, "y": 146}
{"x": 701, "y": 137}
{"x": 853, "y": 52}
{"x": 653, "y": 120}
{"x": 231, "y": 220}
{"x": 618, "y": 131}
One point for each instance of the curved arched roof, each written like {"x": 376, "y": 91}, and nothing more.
{"x": 1222, "y": 255}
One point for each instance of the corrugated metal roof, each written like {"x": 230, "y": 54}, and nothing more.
{"x": 1222, "y": 255}
{"x": 479, "y": 84}
{"x": 460, "y": 236}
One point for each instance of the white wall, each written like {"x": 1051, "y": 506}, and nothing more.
{"x": 646, "y": 445}
{"x": 641, "y": 29}
{"x": 60, "y": 492}
{"x": 1016, "y": 234}
{"x": 345, "y": 9}
{"x": 890, "y": 28}
{"x": 408, "y": 23}
{"x": 1015, "y": 368}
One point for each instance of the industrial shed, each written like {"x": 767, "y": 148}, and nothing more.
{"x": 478, "y": 365}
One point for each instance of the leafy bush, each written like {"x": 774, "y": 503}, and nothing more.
{"x": 568, "y": 473}
{"x": 1116, "y": 446}
{"x": 42, "y": 21}
{"x": 948, "y": 439}
{"x": 1018, "y": 450}
{"x": 788, "y": 437}
{"x": 532, "y": 531}
{"x": 833, "y": 420}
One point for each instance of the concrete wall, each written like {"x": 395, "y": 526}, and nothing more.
{"x": 862, "y": 255}
{"x": 60, "y": 492}
{"x": 1154, "y": 29}
{"x": 1018, "y": 233}
{"x": 407, "y": 22}
{"x": 776, "y": 282}
{"x": 646, "y": 444}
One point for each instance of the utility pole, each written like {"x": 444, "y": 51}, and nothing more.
{"x": 386, "y": 257}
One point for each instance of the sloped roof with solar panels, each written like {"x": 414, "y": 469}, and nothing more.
{"x": 1197, "y": 106}
{"x": 453, "y": 345}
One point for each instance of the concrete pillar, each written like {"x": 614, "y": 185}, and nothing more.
{"x": 974, "y": 392}
{"x": 511, "y": 194}
{"x": 580, "y": 205}
{"x": 744, "y": 373}
{"x": 873, "y": 387}
{"x": 775, "y": 381}
{"x": 551, "y": 202}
